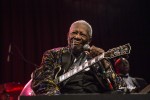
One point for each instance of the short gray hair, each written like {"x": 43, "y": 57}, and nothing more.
{"x": 85, "y": 23}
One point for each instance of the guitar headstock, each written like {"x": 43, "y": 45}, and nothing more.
{"x": 118, "y": 51}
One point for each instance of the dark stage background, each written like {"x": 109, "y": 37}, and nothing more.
{"x": 30, "y": 27}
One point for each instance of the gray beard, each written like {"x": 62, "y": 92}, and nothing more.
{"x": 77, "y": 50}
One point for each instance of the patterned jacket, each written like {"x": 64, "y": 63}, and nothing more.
{"x": 43, "y": 78}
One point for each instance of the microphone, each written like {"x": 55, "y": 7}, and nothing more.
{"x": 86, "y": 47}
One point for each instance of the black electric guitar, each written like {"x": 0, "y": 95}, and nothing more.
{"x": 111, "y": 53}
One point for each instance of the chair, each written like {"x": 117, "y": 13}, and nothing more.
{"x": 27, "y": 90}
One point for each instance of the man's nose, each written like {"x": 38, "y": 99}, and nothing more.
{"x": 77, "y": 36}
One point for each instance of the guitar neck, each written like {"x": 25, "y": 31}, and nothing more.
{"x": 78, "y": 69}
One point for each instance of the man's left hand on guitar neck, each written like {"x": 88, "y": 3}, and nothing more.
{"x": 95, "y": 51}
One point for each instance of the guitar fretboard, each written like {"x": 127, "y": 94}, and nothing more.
{"x": 79, "y": 68}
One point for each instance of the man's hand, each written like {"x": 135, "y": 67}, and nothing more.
{"x": 95, "y": 51}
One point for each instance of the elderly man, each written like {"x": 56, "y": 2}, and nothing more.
{"x": 58, "y": 61}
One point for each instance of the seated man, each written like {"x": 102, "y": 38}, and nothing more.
{"x": 133, "y": 85}
{"x": 60, "y": 60}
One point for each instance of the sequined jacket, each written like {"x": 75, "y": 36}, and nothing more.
{"x": 43, "y": 78}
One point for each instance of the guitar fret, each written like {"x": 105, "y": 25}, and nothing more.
{"x": 92, "y": 61}
{"x": 79, "y": 68}
{"x": 67, "y": 74}
{"x": 85, "y": 65}
{"x": 96, "y": 59}
{"x": 62, "y": 78}
{"x": 101, "y": 56}
{"x": 74, "y": 71}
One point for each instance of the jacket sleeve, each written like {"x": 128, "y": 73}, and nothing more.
{"x": 114, "y": 82}
{"x": 43, "y": 77}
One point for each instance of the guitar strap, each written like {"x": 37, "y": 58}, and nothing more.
{"x": 96, "y": 74}
{"x": 99, "y": 80}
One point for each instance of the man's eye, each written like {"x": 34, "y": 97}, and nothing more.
{"x": 74, "y": 32}
{"x": 83, "y": 34}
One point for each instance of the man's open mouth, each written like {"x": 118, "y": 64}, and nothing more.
{"x": 75, "y": 42}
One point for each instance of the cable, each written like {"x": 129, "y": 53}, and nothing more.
{"x": 20, "y": 54}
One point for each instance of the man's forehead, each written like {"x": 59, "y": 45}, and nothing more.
{"x": 79, "y": 27}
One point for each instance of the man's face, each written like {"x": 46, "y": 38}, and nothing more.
{"x": 78, "y": 36}
{"x": 124, "y": 69}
